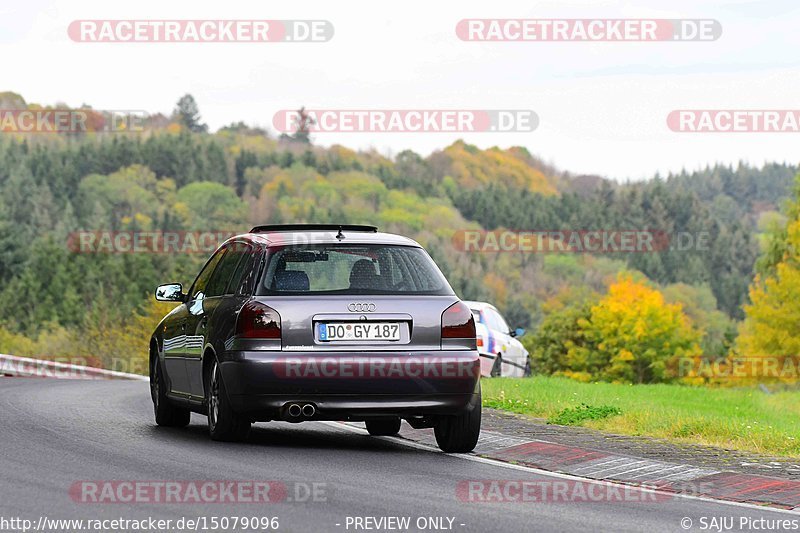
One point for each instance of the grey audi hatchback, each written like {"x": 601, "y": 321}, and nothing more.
{"x": 318, "y": 322}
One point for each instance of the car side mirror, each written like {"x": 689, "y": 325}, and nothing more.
{"x": 171, "y": 292}
{"x": 519, "y": 332}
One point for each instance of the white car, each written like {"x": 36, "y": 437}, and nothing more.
{"x": 501, "y": 353}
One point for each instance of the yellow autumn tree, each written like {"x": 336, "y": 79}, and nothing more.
{"x": 472, "y": 167}
{"x": 634, "y": 336}
{"x": 770, "y": 328}
{"x": 122, "y": 342}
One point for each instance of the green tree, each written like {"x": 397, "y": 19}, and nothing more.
{"x": 770, "y": 325}
{"x": 560, "y": 334}
{"x": 187, "y": 114}
{"x": 210, "y": 206}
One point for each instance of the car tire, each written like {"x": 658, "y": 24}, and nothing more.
{"x": 223, "y": 423}
{"x": 497, "y": 367}
{"x": 166, "y": 413}
{"x": 459, "y": 433}
{"x": 383, "y": 428}
{"x": 527, "y": 372}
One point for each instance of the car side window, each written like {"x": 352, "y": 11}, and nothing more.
{"x": 200, "y": 284}
{"x": 500, "y": 322}
{"x": 245, "y": 252}
{"x": 248, "y": 279}
{"x": 224, "y": 271}
{"x": 490, "y": 319}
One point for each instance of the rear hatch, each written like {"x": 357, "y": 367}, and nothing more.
{"x": 366, "y": 323}
{"x": 356, "y": 296}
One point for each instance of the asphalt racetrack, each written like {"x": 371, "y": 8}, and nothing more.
{"x": 58, "y": 434}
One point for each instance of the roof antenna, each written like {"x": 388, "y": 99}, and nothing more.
{"x": 340, "y": 235}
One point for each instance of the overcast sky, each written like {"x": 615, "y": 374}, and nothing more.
{"x": 602, "y": 106}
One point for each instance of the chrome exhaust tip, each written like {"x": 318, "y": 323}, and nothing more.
{"x": 294, "y": 410}
{"x": 309, "y": 410}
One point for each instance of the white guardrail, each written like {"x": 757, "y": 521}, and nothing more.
{"x": 12, "y": 365}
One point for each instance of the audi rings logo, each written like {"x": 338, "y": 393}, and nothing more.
{"x": 356, "y": 307}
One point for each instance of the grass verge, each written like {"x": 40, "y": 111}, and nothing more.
{"x": 573, "y": 416}
{"x": 743, "y": 419}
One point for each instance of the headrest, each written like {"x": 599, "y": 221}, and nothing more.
{"x": 291, "y": 280}
{"x": 363, "y": 274}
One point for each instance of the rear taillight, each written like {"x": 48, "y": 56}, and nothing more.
{"x": 457, "y": 322}
{"x": 257, "y": 321}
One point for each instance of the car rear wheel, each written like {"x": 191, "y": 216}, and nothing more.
{"x": 166, "y": 414}
{"x": 223, "y": 423}
{"x": 459, "y": 433}
{"x": 527, "y": 372}
{"x": 378, "y": 428}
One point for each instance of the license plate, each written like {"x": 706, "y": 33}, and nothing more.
{"x": 361, "y": 331}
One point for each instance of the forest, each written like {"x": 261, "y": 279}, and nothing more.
{"x": 615, "y": 316}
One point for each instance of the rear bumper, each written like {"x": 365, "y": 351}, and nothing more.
{"x": 351, "y": 385}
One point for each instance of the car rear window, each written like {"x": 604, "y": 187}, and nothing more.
{"x": 352, "y": 269}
